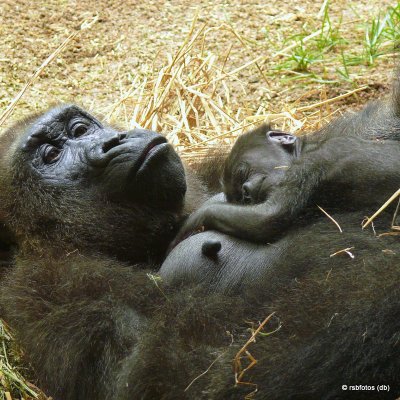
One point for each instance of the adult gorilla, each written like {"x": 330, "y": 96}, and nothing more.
{"x": 91, "y": 210}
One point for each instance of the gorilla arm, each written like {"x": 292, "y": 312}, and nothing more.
{"x": 344, "y": 173}
{"x": 74, "y": 317}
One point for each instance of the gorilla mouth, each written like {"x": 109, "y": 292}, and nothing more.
{"x": 153, "y": 149}
{"x": 126, "y": 152}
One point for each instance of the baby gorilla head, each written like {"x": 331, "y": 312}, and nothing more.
{"x": 258, "y": 161}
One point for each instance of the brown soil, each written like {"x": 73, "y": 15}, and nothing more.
{"x": 133, "y": 38}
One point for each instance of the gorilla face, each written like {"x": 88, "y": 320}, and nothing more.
{"x": 72, "y": 182}
{"x": 257, "y": 163}
{"x": 67, "y": 146}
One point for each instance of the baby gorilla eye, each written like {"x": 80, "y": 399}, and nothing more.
{"x": 51, "y": 154}
{"x": 78, "y": 129}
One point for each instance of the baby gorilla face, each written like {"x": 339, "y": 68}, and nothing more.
{"x": 258, "y": 162}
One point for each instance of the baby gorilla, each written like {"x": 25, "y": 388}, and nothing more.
{"x": 274, "y": 177}
{"x": 257, "y": 163}
{"x": 264, "y": 163}
{"x": 221, "y": 262}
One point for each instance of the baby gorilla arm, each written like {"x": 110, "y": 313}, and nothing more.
{"x": 255, "y": 223}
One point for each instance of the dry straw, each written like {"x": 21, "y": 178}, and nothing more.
{"x": 392, "y": 198}
{"x": 244, "y": 354}
{"x": 189, "y": 98}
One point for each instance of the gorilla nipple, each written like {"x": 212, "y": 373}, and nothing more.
{"x": 210, "y": 248}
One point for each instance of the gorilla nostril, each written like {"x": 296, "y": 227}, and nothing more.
{"x": 246, "y": 194}
{"x": 111, "y": 143}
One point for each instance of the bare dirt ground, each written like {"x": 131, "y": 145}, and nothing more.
{"x": 133, "y": 38}
{"x": 243, "y": 62}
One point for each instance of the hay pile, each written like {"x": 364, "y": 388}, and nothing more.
{"x": 190, "y": 100}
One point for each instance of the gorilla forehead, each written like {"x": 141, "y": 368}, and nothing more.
{"x": 52, "y": 124}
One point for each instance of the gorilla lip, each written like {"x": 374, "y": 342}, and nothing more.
{"x": 155, "y": 147}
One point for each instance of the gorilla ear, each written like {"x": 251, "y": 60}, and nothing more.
{"x": 285, "y": 139}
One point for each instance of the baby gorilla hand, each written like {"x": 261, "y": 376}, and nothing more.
{"x": 199, "y": 221}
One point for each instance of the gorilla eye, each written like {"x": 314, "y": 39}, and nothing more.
{"x": 51, "y": 154}
{"x": 78, "y": 129}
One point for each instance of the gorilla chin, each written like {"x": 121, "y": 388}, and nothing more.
{"x": 163, "y": 177}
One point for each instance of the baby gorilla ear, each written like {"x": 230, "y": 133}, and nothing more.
{"x": 285, "y": 139}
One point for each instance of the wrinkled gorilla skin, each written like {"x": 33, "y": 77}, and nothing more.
{"x": 94, "y": 325}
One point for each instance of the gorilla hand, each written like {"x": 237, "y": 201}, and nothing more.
{"x": 199, "y": 221}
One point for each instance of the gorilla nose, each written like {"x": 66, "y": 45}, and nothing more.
{"x": 113, "y": 142}
{"x": 246, "y": 193}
